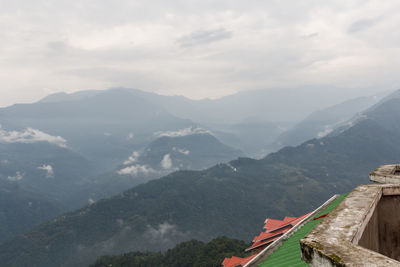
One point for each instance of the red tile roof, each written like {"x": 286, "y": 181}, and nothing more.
{"x": 273, "y": 230}
{"x": 236, "y": 261}
{"x": 266, "y": 238}
{"x": 272, "y": 224}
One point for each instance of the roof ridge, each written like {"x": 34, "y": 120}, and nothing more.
{"x": 278, "y": 242}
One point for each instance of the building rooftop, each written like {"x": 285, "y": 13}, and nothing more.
{"x": 279, "y": 245}
{"x": 288, "y": 253}
{"x": 364, "y": 230}
{"x": 273, "y": 230}
{"x": 386, "y": 174}
{"x": 236, "y": 261}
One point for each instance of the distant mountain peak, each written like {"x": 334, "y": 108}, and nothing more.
{"x": 62, "y": 96}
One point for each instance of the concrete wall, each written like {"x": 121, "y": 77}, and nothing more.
{"x": 372, "y": 210}
{"x": 389, "y": 226}
{"x": 382, "y": 233}
{"x": 370, "y": 235}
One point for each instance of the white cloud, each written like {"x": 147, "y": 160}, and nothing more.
{"x": 166, "y": 162}
{"x": 90, "y": 201}
{"x": 182, "y": 151}
{"x": 164, "y": 233}
{"x": 230, "y": 166}
{"x": 49, "y": 170}
{"x": 132, "y": 159}
{"x": 130, "y": 136}
{"x": 17, "y": 177}
{"x": 30, "y": 135}
{"x": 155, "y": 44}
{"x": 325, "y": 132}
{"x": 161, "y": 231}
{"x": 135, "y": 170}
{"x": 183, "y": 132}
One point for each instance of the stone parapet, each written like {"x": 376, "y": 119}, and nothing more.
{"x": 386, "y": 174}
{"x": 361, "y": 231}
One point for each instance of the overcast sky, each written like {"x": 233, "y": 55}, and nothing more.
{"x": 196, "y": 48}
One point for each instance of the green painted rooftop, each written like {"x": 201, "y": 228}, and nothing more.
{"x": 289, "y": 254}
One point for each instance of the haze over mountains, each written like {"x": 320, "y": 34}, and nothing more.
{"x": 112, "y": 116}
{"x": 77, "y": 148}
{"x": 189, "y": 148}
{"x": 227, "y": 199}
{"x": 323, "y": 122}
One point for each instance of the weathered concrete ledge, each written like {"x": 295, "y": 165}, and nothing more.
{"x": 386, "y": 174}
{"x": 340, "y": 240}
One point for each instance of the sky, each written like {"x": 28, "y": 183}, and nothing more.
{"x": 195, "y": 48}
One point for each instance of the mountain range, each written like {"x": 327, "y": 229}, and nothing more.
{"x": 69, "y": 150}
{"x": 227, "y": 199}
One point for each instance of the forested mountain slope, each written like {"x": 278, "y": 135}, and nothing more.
{"x": 228, "y": 199}
{"x": 192, "y": 253}
{"x": 22, "y": 207}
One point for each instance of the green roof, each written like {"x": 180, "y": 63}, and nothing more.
{"x": 289, "y": 254}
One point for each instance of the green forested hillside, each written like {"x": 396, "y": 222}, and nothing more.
{"x": 192, "y": 253}
{"x": 21, "y": 208}
{"x": 60, "y": 181}
{"x": 227, "y": 199}
{"x": 36, "y": 183}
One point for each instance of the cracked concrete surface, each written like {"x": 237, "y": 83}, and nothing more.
{"x": 336, "y": 241}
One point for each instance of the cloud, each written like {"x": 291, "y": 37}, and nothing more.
{"x": 182, "y": 151}
{"x": 363, "y": 24}
{"x": 328, "y": 130}
{"x": 130, "y": 136}
{"x": 166, "y": 162}
{"x": 230, "y": 166}
{"x": 132, "y": 159}
{"x": 204, "y": 37}
{"x": 18, "y": 176}
{"x": 49, "y": 170}
{"x": 120, "y": 222}
{"x": 136, "y": 169}
{"x": 183, "y": 132}
{"x": 161, "y": 46}
{"x": 30, "y": 135}
{"x": 164, "y": 235}
{"x": 162, "y": 232}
